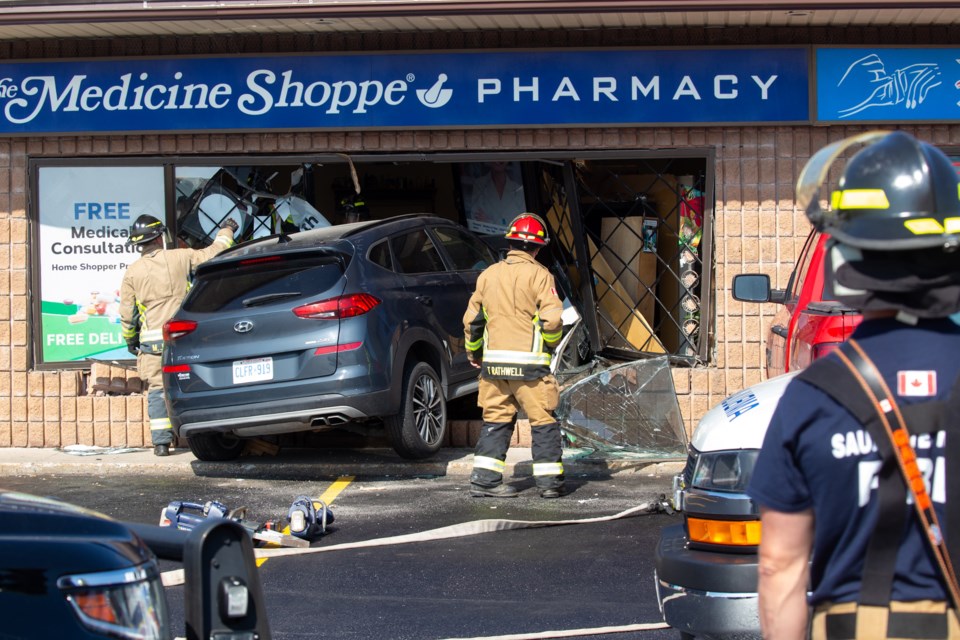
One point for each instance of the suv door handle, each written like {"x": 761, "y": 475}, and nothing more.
{"x": 425, "y": 300}
{"x": 780, "y": 330}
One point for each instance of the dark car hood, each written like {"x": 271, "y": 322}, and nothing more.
{"x": 45, "y": 538}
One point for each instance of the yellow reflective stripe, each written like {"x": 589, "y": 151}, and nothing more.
{"x": 160, "y": 423}
{"x": 473, "y": 345}
{"x": 860, "y": 199}
{"x": 223, "y": 239}
{"x": 128, "y": 333}
{"x": 929, "y": 226}
{"x": 553, "y": 337}
{"x": 548, "y": 468}
{"x": 491, "y": 464}
{"x": 517, "y": 357}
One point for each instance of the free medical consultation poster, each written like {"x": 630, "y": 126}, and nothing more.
{"x": 85, "y": 215}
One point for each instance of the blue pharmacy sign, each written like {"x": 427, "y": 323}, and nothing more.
{"x": 878, "y": 84}
{"x": 523, "y": 88}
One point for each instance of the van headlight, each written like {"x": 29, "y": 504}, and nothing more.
{"x": 725, "y": 470}
{"x": 123, "y": 603}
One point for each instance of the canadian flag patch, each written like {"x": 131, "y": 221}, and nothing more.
{"x": 916, "y": 383}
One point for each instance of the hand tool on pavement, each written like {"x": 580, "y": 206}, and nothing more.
{"x": 187, "y": 515}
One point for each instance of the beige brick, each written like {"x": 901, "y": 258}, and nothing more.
{"x": 134, "y": 434}
{"x": 69, "y": 383}
{"x": 19, "y": 358}
{"x": 35, "y": 435}
{"x": 734, "y": 351}
{"x": 681, "y": 380}
{"x": 68, "y": 410}
{"x": 35, "y": 409}
{"x": 85, "y": 433}
{"x": 85, "y": 410}
{"x": 718, "y": 383}
{"x": 101, "y": 409}
{"x": 6, "y": 388}
{"x": 18, "y": 434}
{"x": 6, "y": 433}
{"x": 18, "y": 282}
{"x": 118, "y": 409}
{"x": 18, "y": 409}
{"x": 35, "y": 383}
{"x": 136, "y": 409}
{"x": 68, "y": 433}
{"x": 101, "y": 434}
{"x": 524, "y": 433}
{"x": 51, "y": 408}
{"x": 51, "y": 433}
{"x": 752, "y": 377}
{"x": 118, "y": 433}
{"x": 19, "y": 332}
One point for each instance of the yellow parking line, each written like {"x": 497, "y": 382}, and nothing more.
{"x": 334, "y": 490}
{"x": 327, "y": 498}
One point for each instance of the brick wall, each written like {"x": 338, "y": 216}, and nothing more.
{"x": 757, "y": 228}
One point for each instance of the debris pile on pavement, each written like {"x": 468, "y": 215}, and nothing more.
{"x": 307, "y": 520}
{"x": 625, "y": 411}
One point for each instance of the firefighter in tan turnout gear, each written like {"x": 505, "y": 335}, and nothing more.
{"x": 511, "y": 325}
{"x": 151, "y": 292}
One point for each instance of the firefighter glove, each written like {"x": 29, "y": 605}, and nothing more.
{"x": 133, "y": 346}
{"x": 231, "y": 224}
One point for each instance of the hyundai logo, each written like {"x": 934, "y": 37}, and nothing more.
{"x": 243, "y": 326}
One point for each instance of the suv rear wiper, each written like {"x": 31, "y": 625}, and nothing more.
{"x": 269, "y": 297}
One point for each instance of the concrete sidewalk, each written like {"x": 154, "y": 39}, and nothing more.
{"x": 297, "y": 464}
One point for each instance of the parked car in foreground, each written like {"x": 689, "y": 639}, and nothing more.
{"x": 68, "y": 572}
{"x": 355, "y": 326}
{"x": 706, "y": 567}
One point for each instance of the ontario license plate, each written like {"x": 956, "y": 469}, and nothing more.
{"x": 255, "y": 370}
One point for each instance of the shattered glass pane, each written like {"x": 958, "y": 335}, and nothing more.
{"x": 625, "y": 411}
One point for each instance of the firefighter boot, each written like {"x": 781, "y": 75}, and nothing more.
{"x": 547, "y": 455}
{"x": 488, "y": 462}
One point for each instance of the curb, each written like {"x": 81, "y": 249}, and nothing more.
{"x": 312, "y": 464}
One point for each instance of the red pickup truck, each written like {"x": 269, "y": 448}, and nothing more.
{"x": 706, "y": 566}
{"x": 806, "y": 326}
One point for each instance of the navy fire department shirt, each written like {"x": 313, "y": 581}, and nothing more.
{"x": 816, "y": 455}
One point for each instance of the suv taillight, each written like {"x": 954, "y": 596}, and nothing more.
{"x": 173, "y": 329}
{"x": 355, "y": 304}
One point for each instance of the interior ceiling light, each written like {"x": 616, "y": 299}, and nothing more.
{"x": 798, "y": 13}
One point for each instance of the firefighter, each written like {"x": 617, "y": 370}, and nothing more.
{"x": 828, "y": 478}
{"x": 150, "y": 294}
{"x": 511, "y": 326}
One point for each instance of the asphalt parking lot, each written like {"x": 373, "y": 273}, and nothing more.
{"x": 584, "y": 578}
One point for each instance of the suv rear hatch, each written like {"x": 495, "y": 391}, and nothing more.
{"x": 256, "y": 319}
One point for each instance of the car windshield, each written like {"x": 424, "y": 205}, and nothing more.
{"x": 254, "y": 282}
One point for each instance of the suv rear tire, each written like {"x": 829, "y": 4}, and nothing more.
{"x": 216, "y": 447}
{"x": 419, "y": 429}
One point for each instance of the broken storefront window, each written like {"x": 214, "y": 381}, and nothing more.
{"x": 626, "y": 411}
